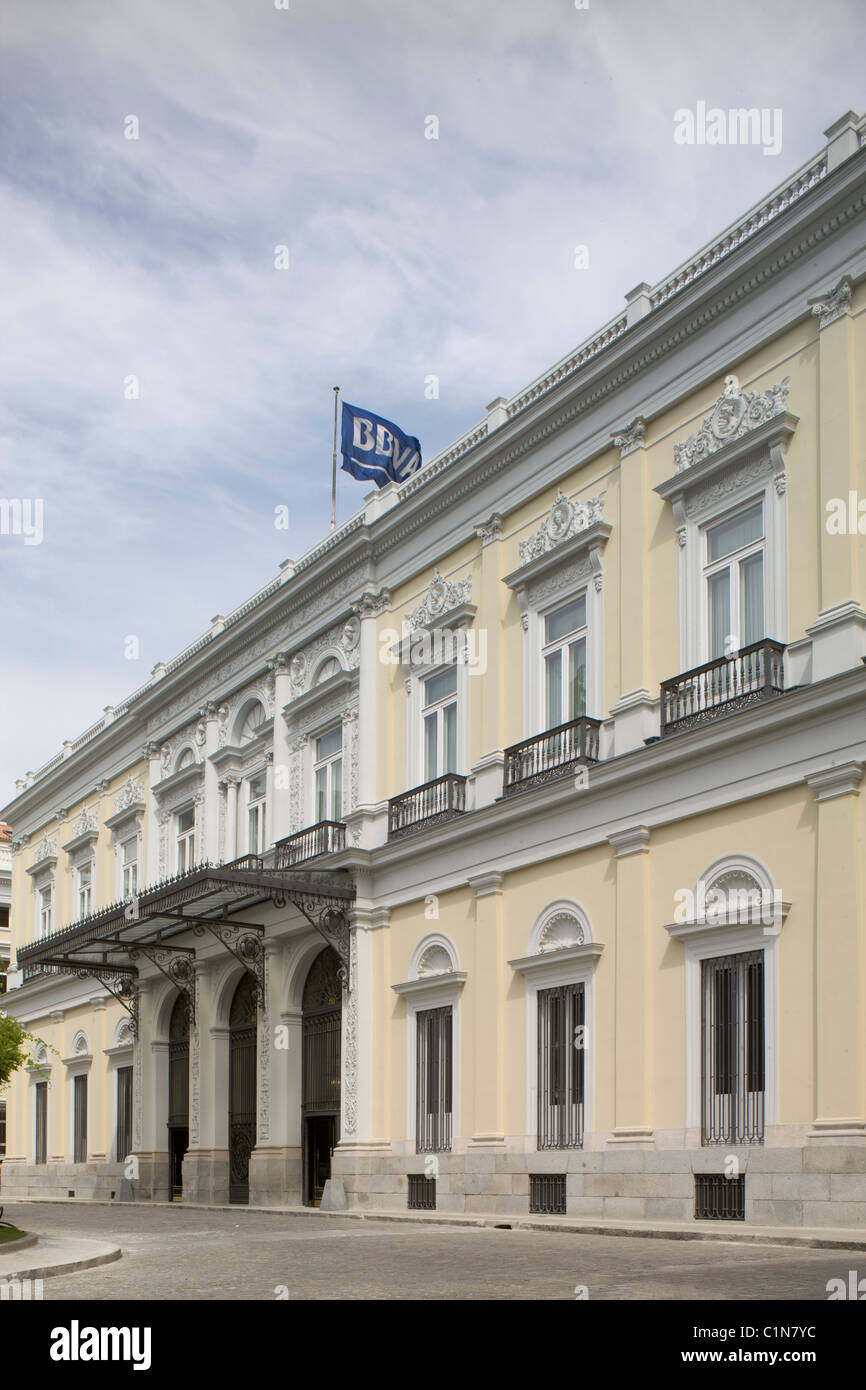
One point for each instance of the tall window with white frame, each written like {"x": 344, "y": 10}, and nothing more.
{"x": 734, "y": 577}
{"x": 561, "y": 1066}
{"x": 129, "y": 867}
{"x": 433, "y": 1080}
{"x": 564, "y": 662}
{"x": 41, "y": 1103}
{"x": 185, "y": 840}
{"x": 328, "y": 775}
{"x": 440, "y": 724}
{"x": 123, "y": 1141}
{"x": 44, "y": 910}
{"x": 79, "y": 1119}
{"x": 256, "y": 802}
{"x": 733, "y": 1049}
{"x": 85, "y": 888}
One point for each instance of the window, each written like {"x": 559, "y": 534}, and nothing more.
{"x": 41, "y": 1121}
{"x": 732, "y": 1049}
{"x": 252, "y": 724}
{"x": 129, "y": 867}
{"x": 440, "y": 724}
{"x": 43, "y": 925}
{"x": 85, "y": 889}
{"x": 79, "y": 1115}
{"x": 185, "y": 840}
{"x": 433, "y": 1088}
{"x": 328, "y": 770}
{"x": 124, "y": 1113}
{"x": 564, "y": 658}
{"x": 256, "y": 789}
{"x": 561, "y": 1064}
{"x": 734, "y": 573}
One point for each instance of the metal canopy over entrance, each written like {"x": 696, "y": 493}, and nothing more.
{"x": 108, "y": 944}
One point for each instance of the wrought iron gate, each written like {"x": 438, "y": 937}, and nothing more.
{"x": 178, "y": 1093}
{"x": 243, "y": 1022}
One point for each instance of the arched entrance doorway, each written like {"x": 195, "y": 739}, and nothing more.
{"x": 242, "y": 1087}
{"x": 178, "y": 1094}
{"x": 322, "y": 1012}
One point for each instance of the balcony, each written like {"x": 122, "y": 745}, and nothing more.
{"x": 723, "y": 686}
{"x": 326, "y": 837}
{"x": 428, "y": 805}
{"x": 551, "y": 755}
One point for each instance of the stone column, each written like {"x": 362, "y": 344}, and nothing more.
{"x": 489, "y": 988}
{"x": 634, "y": 711}
{"x": 206, "y": 1166}
{"x": 149, "y": 1103}
{"x": 484, "y": 646}
{"x": 280, "y": 804}
{"x": 632, "y": 999}
{"x": 150, "y": 868}
{"x": 368, "y": 610}
{"x": 839, "y": 632}
{"x": 230, "y": 849}
{"x": 840, "y": 995}
{"x": 209, "y": 847}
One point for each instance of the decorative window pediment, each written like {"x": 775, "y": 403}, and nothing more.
{"x": 561, "y": 936}
{"x": 734, "y": 893}
{"x": 46, "y": 858}
{"x": 85, "y": 833}
{"x": 444, "y": 603}
{"x": 741, "y": 442}
{"x": 565, "y": 549}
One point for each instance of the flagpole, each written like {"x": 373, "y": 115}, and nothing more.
{"x": 334, "y": 470}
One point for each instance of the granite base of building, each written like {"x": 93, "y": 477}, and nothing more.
{"x": 206, "y": 1176}
{"x": 86, "y": 1181}
{"x": 275, "y": 1177}
{"x": 820, "y": 1185}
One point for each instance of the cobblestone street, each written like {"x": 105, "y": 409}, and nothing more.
{"x": 172, "y": 1252}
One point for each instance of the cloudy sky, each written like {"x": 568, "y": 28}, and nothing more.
{"x": 154, "y": 258}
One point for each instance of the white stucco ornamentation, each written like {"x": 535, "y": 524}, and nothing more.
{"x": 734, "y": 414}
{"x": 564, "y": 520}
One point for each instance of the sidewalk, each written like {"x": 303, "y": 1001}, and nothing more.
{"x": 38, "y": 1257}
{"x": 815, "y": 1237}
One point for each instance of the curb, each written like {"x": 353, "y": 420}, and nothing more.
{"x": 104, "y": 1256}
{"x": 491, "y": 1221}
{"x": 24, "y": 1242}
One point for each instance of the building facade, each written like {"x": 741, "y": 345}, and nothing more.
{"x": 505, "y": 853}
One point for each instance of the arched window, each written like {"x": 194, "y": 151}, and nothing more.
{"x": 329, "y": 667}
{"x": 186, "y": 759}
{"x": 252, "y": 722}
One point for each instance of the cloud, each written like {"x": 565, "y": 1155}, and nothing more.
{"x": 259, "y": 127}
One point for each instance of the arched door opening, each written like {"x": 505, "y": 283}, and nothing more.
{"x": 178, "y": 1094}
{"x": 243, "y": 1025}
{"x": 322, "y": 1021}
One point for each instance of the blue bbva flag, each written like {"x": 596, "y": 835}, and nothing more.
{"x": 374, "y": 450}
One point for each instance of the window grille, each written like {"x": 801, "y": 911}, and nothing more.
{"x": 42, "y": 1122}
{"x": 124, "y": 1113}
{"x": 561, "y": 1067}
{"x": 733, "y": 1049}
{"x": 433, "y": 1075}
{"x": 547, "y": 1194}
{"x": 718, "y": 1198}
{"x": 79, "y": 1105}
{"x": 422, "y": 1193}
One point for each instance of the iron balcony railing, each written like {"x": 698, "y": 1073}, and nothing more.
{"x": 720, "y": 687}
{"x": 326, "y": 837}
{"x": 427, "y": 805}
{"x": 551, "y": 755}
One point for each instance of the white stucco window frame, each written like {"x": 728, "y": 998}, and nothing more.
{"x": 703, "y": 940}
{"x": 739, "y": 474}
{"x": 415, "y": 675}
{"x": 570, "y": 965}
{"x": 432, "y": 992}
{"x": 544, "y": 584}
{"x": 127, "y": 825}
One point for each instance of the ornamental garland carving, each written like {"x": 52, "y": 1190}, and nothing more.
{"x": 442, "y": 596}
{"x": 734, "y": 414}
{"x": 719, "y": 489}
{"x": 564, "y": 520}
